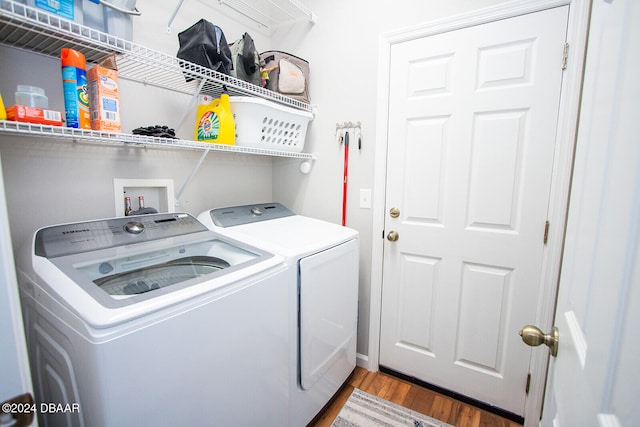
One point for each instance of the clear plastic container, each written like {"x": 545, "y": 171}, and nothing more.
{"x": 31, "y": 96}
{"x": 67, "y": 9}
{"x": 113, "y": 17}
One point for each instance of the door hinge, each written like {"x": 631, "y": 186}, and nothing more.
{"x": 526, "y": 388}
{"x": 565, "y": 56}
{"x": 546, "y": 232}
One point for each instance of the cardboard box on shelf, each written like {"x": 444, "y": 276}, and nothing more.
{"x": 104, "y": 103}
{"x": 22, "y": 113}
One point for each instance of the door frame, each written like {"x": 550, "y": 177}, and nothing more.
{"x": 577, "y": 30}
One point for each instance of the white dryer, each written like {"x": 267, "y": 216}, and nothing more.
{"x": 154, "y": 320}
{"x": 323, "y": 301}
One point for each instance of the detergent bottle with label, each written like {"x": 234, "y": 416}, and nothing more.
{"x": 214, "y": 120}
{"x": 3, "y": 112}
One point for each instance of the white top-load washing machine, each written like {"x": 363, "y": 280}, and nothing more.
{"x": 154, "y": 320}
{"x": 323, "y": 260}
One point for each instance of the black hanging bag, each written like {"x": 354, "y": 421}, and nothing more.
{"x": 205, "y": 44}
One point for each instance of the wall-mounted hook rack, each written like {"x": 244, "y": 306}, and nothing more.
{"x": 356, "y": 129}
{"x": 348, "y": 125}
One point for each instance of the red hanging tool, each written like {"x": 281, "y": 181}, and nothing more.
{"x": 345, "y": 175}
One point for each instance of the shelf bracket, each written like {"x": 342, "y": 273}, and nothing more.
{"x": 311, "y": 16}
{"x": 173, "y": 15}
{"x": 190, "y": 106}
{"x": 193, "y": 173}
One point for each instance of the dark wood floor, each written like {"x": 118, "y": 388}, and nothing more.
{"x": 413, "y": 397}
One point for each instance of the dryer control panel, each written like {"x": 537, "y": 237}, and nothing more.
{"x": 68, "y": 239}
{"x": 238, "y": 215}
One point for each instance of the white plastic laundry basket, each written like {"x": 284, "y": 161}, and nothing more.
{"x": 264, "y": 124}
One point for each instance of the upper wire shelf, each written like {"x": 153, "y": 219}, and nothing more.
{"x": 272, "y": 13}
{"x": 269, "y": 14}
{"x": 34, "y": 30}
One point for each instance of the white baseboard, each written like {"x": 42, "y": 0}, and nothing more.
{"x": 364, "y": 362}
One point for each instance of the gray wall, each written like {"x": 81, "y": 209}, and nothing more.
{"x": 50, "y": 182}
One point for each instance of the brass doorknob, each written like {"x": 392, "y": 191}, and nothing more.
{"x": 533, "y": 336}
{"x": 392, "y": 236}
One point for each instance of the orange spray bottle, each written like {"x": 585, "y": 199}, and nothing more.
{"x": 74, "y": 86}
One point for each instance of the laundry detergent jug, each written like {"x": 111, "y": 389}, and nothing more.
{"x": 214, "y": 120}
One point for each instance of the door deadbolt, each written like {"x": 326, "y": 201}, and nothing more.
{"x": 533, "y": 336}
{"x": 392, "y": 236}
{"x": 394, "y": 212}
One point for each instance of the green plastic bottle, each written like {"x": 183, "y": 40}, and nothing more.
{"x": 214, "y": 120}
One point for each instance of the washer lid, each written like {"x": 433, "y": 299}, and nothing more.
{"x": 107, "y": 274}
{"x": 163, "y": 274}
{"x": 124, "y": 276}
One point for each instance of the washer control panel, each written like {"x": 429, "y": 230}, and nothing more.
{"x": 67, "y": 239}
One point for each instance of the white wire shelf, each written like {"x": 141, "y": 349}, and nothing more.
{"x": 34, "y": 30}
{"x": 272, "y": 13}
{"x": 62, "y": 133}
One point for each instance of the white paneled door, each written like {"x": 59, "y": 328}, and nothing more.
{"x": 595, "y": 380}
{"x": 471, "y": 140}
